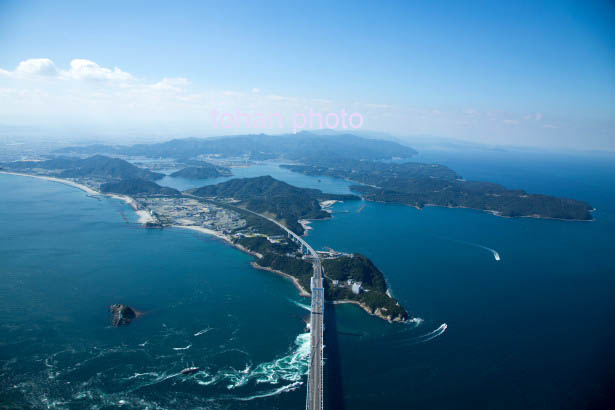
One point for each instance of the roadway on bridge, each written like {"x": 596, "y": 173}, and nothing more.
{"x": 315, "y": 376}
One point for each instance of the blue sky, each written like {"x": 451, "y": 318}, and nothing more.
{"x": 526, "y": 73}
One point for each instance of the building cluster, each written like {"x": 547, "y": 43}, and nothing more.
{"x": 355, "y": 287}
{"x": 188, "y": 211}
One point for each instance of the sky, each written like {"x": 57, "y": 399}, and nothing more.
{"x": 536, "y": 73}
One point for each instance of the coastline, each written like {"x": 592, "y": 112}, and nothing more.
{"x": 54, "y": 179}
{"x": 205, "y": 231}
{"x": 495, "y": 213}
{"x": 144, "y": 216}
{"x": 363, "y": 306}
{"x": 302, "y": 291}
{"x": 489, "y": 211}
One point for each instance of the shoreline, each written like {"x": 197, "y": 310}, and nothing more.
{"x": 144, "y": 216}
{"x": 363, "y": 306}
{"x": 205, "y": 231}
{"x": 302, "y": 292}
{"x": 55, "y": 179}
{"x": 295, "y": 281}
{"x": 495, "y": 213}
{"x": 489, "y": 211}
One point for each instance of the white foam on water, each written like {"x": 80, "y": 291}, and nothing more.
{"x": 290, "y": 368}
{"x": 429, "y": 336}
{"x": 137, "y": 375}
{"x": 301, "y": 305}
{"x": 279, "y": 390}
{"x": 183, "y": 348}
{"x": 201, "y": 332}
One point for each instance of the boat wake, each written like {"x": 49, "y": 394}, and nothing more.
{"x": 301, "y": 305}
{"x": 183, "y": 348}
{"x": 427, "y": 336}
{"x": 202, "y": 332}
{"x": 495, "y": 253}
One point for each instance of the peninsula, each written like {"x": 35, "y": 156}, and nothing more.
{"x": 239, "y": 212}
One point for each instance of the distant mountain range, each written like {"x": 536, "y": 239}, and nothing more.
{"x": 301, "y": 147}
{"x": 380, "y": 167}
{"x": 98, "y": 166}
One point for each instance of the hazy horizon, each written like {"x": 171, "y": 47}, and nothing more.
{"x": 535, "y": 75}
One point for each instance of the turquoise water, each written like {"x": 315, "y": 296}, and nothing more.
{"x": 66, "y": 257}
{"x": 532, "y": 331}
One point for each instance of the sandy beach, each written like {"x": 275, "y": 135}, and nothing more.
{"x": 62, "y": 181}
{"x": 205, "y": 231}
{"x": 144, "y": 216}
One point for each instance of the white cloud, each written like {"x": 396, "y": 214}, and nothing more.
{"x": 33, "y": 68}
{"x": 171, "y": 84}
{"x": 81, "y": 69}
{"x": 87, "y": 95}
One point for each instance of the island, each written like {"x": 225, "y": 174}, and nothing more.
{"x": 420, "y": 185}
{"x": 123, "y": 315}
{"x": 204, "y": 170}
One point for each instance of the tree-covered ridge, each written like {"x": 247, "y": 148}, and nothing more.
{"x": 419, "y": 185}
{"x": 97, "y": 166}
{"x": 296, "y": 267}
{"x": 357, "y": 268}
{"x": 203, "y": 171}
{"x": 371, "y": 172}
{"x": 265, "y": 194}
{"x": 137, "y": 186}
{"x": 263, "y": 246}
{"x": 477, "y": 195}
{"x": 343, "y": 272}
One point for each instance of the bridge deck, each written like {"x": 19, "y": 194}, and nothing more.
{"x": 315, "y": 376}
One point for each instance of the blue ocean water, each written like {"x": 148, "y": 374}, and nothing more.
{"x": 533, "y": 330}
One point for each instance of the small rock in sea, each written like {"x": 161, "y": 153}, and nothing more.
{"x": 123, "y": 314}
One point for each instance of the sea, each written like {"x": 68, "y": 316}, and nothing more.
{"x": 529, "y": 329}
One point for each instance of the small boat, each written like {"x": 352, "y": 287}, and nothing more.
{"x": 190, "y": 370}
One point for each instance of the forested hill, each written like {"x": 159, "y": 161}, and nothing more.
{"x": 99, "y": 166}
{"x": 203, "y": 171}
{"x": 267, "y": 195}
{"x": 419, "y": 185}
{"x": 137, "y": 186}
